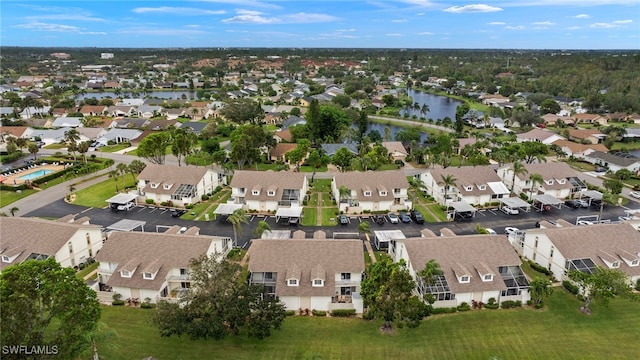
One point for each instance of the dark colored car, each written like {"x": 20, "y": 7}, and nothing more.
{"x": 404, "y": 217}
{"x": 595, "y": 203}
{"x": 379, "y": 219}
{"x": 464, "y": 216}
{"x": 343, "y": 219}
{"x": 572, "y": 203}
{"x": 178, "y": 212}
{"x": 417, "y": 217}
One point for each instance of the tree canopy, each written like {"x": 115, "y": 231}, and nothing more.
{"x": 219, "y": 304}
{"x": 154, "y": 147}
{"x": 601, "y": 285}
{"x": 48, "y": 305}
{"x": 242, "y": 111}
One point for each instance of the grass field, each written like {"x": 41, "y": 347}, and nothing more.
{"x": 329, "y": 216}
{"x": 310, "y": 216}
{"x": 7, "y": 197}
{"x": 558, "y": 332}
{"x": 95, "y": 195}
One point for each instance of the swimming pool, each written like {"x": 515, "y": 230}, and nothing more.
{"x": 35, "y": 174}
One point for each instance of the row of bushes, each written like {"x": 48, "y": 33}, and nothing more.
{"x": 492, "y": 304}
{"x": 570, "y": 287}
{"x": 539, "y": 268}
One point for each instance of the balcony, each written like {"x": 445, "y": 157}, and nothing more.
{"x": 340, "y": 283}
{"x": 179, "y": 278}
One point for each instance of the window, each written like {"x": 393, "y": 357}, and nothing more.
{"x": 345, "y": 276}
{"x": 634, "y": 262}
{"x": 482, "y": 187}
{"x": 154, "y": 185}
{"x": 293, "y": 282}
{"x": 268, "y": 275}
{"x": 464, "y": 279}
{"x": 551, "y": 252}
{"x": 367, "y": 193}
{"x": 271, "y": 193}
{"x": 70, "y": 247}
{"x": 6, "y": 259}
{"x": 488, "y": 277}
{"x": 184, "y": 272}
{"x": 88, "y": 239}
{"x": 148, "y": 276}
{"x": 317, "y": 282}
{"x": 615, "y": 264}
{"x": 536, "y": 243}
{"x": 255, "y": 192}
{"x": 469, "y": 188}
{"x": 125, "y": 273}
{"x": 167, "y": 186}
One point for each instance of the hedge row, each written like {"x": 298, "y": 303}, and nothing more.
{"x": 343, "y": 312}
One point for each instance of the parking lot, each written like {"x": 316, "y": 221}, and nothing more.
{"x": 157, "y": 219}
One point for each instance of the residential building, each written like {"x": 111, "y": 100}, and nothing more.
{"x": 371, "y": 191}
{"x": 539, "y": 135}
{"x": 571, "y": 247}
{"x": 589, "y": 119}
{"x": 180, "y": 185}
{"x": 268, "y": 190}
{"x": 579, "y": 150}
{"x": 556, "y": 179}
{"x": 72, "y": 122}
{"x": 614, "y": 162}
{"x": 473, "y": 184}
{"x": 71, "y": 242}
{"x": 279, "y": 152}
{"x": 475, "y": 268}
{"x": 93, "y": 110}
{"x": 396, "y": 149}
{"x": 331, "y": 149}
{"x": 591, "y": 136}
{"x": 314, "y": 274}
{"x": 153, "y": 265}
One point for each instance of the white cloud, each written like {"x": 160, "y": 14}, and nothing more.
{"x": 419, "y": 2}
{"x": 573, "y": 28}
{"x": 602, "y": 25}
{"x": 497, "y": 23}
{"x": 473, "y": 8}
{"x": 399, "y": 21}
{"x": 40, "y": 26}
{"x": 582, "y": 16}
{"x": 247, "y": 3}
{"x": 160, "y": 31}
{"x": 248, "y": 12}
{"x": 520, "y": 27}
{"x": 256, "y": 17}
{"x": 420, "y": 14}
{"x": 425, "y": 33}
{"x": 305, "y": 18}
{"x": 395, "y": 34}
{"x": 628, "y": 21}
{"x": 186, "y": 11}
{"x": 70, "y": 16}
{"x": 345, "y": 30}
{"x": 251, "y": 19}
{"x": 544, "y": 23}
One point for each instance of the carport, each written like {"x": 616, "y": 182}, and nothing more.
{"x": 288, "y": 212}
{"x": 516, "y": 202}
{"x": 384, "y": 237}
{"x": 544, "y": 202}
{"x": 121, "y": 199}
{"x": 462, "y": 207}
{"x": 591, "y": 194}
{"x": 276, "y": 234}
{"x": 127, "y": 225}
{"x": 226, "y": 209}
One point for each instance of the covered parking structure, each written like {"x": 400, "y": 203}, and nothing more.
{"x": 591, "y": 195}
{"x": 127, "y": 225}
{"x": 544, "y": 202}
{"x": 276, "y": 234}
{"x": 293, "y": 212}
{"x": 121, "y": 199}
{"x": 515, "y": 203}
{"x": 384, "y": 237}
{"x": 226, "y": 209}
{"x": 463, "y": 209}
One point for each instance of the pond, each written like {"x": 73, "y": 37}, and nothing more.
{"x": 440, "y": 107}
{"x": 393, "y": 131}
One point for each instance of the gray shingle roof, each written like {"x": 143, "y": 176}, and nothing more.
{"x": 166, "y": 174}
{"x": 266, "y": 180}
{"x": 373, "y": 181}
{"x": 468, "y": 176}
{"x": 308, "y": 257}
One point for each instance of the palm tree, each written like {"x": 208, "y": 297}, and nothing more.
{"x": 261, "y": 228}
{"x": 517, "y": 168}
{"x": 540, "y": 289}
{"x": 121, "y": 169}
{"x": 387, "y": 133}
{"x": 535, "y": 179}
{"x": 82, "y": 148}
{"x": 607, "y": 197}
{"x": 33, "y": 149}
{"x": 237, "y": 218}
{"x": 424, "y": 109}
{"x": 113, "y": 174}
{"x": 447, "y": 181}
{"x": 14, "y": 210}
{"x": 71, "y": 138}
{"x": 135, "y": 168}
{"x": 344, "y": 192}
{"x": 416, "y": 185}
{"x": 364, "y": 227}
{"x": 430, "y": 273}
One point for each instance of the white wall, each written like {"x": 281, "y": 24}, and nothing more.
{"x": 80, "y": 247}
{"x": 320, "y": 303}
{"x": 291, "y": 302}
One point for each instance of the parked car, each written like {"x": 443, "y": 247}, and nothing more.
{"x": 393, "y": 218}
{"x": 294, "y": 221}
{"x": 491, "y": 231}
{"x": 573, "y": 204}
{"x": 378, "y": 219}
{"x": 127, "y": 206}
{"x": 583, "y": 203}
{"x": 509, "y": 210}
{"x": 343, "y": 219}
{"x": 600, "y": 169}
{"x": 597, "y": 203}
{"x": 178, "y": 212}
{"x": 464, "y": 215}
{"x": 417, "y": 217}
{"x": 511, "y": 230}
{"x": 635, "y": 194}
{"x": 405, "y": 218}
{"x": 585, "y": 222}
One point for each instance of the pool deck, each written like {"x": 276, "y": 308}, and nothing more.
{"x": 14, "y": 177}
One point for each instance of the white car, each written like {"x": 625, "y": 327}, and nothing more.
{"x": 509, "y": 210}
{"x": 393, "y": 218}
{"x": 583, "y": 203}
{"x": 491, "y": 231}
{"x": 635, "y": 194}
{"x": 585, "y": 222}
{"x": 511, "y": 230}
{"x": 127, "y": 206}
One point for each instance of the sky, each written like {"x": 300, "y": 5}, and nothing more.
{"x": 490, "y": 24}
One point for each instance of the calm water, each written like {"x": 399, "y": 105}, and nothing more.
{"x": 393, "y": 130}
{"x": 440, "y": 107}
{"x": 35, "y": 174}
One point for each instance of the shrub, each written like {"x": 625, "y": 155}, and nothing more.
{"x": 344, "y": 313}
{"x": 368, "y": 316}
{"x": 511, "y": 304}
{"x": 147, "y": 305}
{"x": 204, "y": 197}
{"x": 188, "y": 206}
{"x": 492, "y": 304}
{"x": 117, "y": 302}
{"x": 539, "y": 268}
{"x": 637, "y": 287}
{"x": 570, "y": 287}
{"x": 463, "y": 307}
{"x": 289, "y": 312}
{"x": 150, "y": 201}
{"x": 319, "y": 312}
{"x": 444, "y": 310}
{"x": 304, "y": 202}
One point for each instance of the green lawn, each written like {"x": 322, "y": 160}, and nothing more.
{"x": 114, "y": 148}
{"x": 96, "y": 195}
{"x": 322, "y": 185}
{"x": 196, "y": 211}
{"x": 7, "y": 197}
{"x": 435, "y": 208}
{"x": 306, "y": 168}
{"x": 558, "y": 332}
{"x": 310, "y": 216}
{"x": 84, "y": 272}
{"x": 426, "y": 214}
{"x": 329, "y": 214}
{"x": 387, "y": 167}
{"x": 313, "y": 199}
{"x": 626, "y": 146}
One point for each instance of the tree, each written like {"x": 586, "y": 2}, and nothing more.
{"x": 83, "y": 148}
{"x": 601, "y": 285}
{"x": 71, "y": 138}
{"x": 122, "y": 170}
{"x": 363, "y": 124}
{"x": 237, "y": 218}
{"x": 549, "y": 106}
{"x": 342, "y": 158}
{"x": 532, "y": 150}
{"x": 261, "y": 228}
{"x": 113, "y": 174}
{"x": 447, "y": 181}
{"x": 34, "y": 149}
{"x": 342, "y": 100}
{"x": 536, "y": 179}
{"x": 46, "y": 304}
{"x": 344, "y": 193}
{"x": 153, "y": 147}
{"x": 21, "y": 143}
{"x": 298, "y": 154}
{"x": 416, "y": 186}
{"x": 246, "y": 141}
{"x": 517, "y": 168}
{"x": 135, "y": 168}
{"x": 540, "y": 289}
{"x": 613, "y": 185}
{"x": 242, "y": 111}
{"x": 219, "y": 305}
{"x": 364, "y": 227}
{"x": 387, "y": 291}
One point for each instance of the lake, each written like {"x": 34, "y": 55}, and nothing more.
{"x": 394, "y": 130}
{"x": 440, "y": 107}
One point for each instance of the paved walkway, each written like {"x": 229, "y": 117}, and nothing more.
{"x": 319, "y": 210}
{"x": 367, "y": 244}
